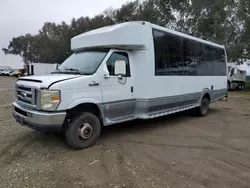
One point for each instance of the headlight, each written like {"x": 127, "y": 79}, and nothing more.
{"x": 50, "y": 100}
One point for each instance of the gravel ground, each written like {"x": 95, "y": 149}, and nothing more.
{"x": 174, "y": 151}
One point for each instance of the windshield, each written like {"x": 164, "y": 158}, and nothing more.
{"x": 85, "y": 63}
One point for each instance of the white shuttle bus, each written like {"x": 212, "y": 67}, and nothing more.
{"x": 128, "y": 71}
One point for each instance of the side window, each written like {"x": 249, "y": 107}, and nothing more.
{"x": 160, "y": 50}
{"x": 175, "y": 55}
{"x": 168, "y": 51}
{"x": 117, "y": 56}
{"x": 174, "y": 64}
{"x": 218, "y": 65}
{"x": 192, "y": 57}
{"x": 205, "y": 66}
{"x": 222, "y": 61}
{"x": 190, "y": 49}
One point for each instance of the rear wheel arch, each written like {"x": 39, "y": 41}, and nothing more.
{"x": 208, "y": 96}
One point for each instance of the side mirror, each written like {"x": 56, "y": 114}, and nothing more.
{"x": 120, "y": 68}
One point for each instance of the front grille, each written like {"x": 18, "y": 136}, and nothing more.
{"x": 26, "y": 95}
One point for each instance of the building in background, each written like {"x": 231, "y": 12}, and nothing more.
{"x": 40, "y": 68}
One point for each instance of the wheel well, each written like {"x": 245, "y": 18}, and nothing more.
{"x": 85, "y": 107}
{"x": 207, "y": 96}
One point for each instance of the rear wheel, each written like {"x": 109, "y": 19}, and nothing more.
{"x": 83, "y": 131}
{"x": 204, "y": 107}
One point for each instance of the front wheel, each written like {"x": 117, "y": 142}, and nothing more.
{"x": 83, "y": 131}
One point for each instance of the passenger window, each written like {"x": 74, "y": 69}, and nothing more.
{"x": 222, "y": 61}
{"x": 175, "y": 55}
{"x": 206, "y": 66}
{"x": 118, "y": 56}
{"x": 168, "y": 51}
{"x": 191, "y": 56}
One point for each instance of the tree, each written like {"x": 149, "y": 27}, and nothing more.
{"x": 23, "y": 46}
{"x": 222, "y": 21}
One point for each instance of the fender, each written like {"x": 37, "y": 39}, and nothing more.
{"x": 87, "y": 100}
{"x": 203, "y": 92}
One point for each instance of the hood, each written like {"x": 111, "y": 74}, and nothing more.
{"x": 46, "y": 80}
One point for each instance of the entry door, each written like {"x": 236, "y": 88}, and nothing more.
{"x": 118, "y": 98}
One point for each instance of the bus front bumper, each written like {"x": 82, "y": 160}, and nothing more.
{"x": 44, "y": 121}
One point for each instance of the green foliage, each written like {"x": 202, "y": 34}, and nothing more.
{"x": 225, "y": 22}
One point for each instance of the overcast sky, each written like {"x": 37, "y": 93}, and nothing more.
{"x": 18, "y": 17}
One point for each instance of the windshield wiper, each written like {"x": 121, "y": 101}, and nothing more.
{"x": 70, "y": 71}
{"x": 77, "y": 71}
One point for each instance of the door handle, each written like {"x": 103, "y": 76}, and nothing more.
{"x": 94, "y": 83}
{"x": 132, "y": 89}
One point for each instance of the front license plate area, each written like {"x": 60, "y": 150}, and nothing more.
{"x": 19, "y": 120}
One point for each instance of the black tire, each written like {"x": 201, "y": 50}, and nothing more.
{"x": 242, "y": 86}
{"x": 204, "y": 107}
{"x": 74, "y": 133}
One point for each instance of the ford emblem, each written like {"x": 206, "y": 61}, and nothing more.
{"x": 23, "y": 94}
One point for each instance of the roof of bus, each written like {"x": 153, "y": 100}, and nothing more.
{"x": 130, "y": 35}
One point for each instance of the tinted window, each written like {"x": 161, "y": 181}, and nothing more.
{"x": 117, "y": 56}
{"x": 222, "y": 61}
{"x": 214, "y": 63}
{"x": 175, "y": 55}
{"x": 192, "y": 56}
{"x": 167, "y": 54}
{"x": 205, "y": 66}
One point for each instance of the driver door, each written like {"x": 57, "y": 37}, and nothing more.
{"x": 117, "y": 90}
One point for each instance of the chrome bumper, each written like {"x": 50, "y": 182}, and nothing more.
{"x": 47, "y": 121}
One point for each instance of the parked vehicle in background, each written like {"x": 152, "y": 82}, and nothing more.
{"x": 245, "y": 65}
{"x": 236, "y": 78}
{"x": 19, "y": 73}
{"x": 12, "y": 73}
{"x": 7, "y": 72}
{"x": 119, "y": 73}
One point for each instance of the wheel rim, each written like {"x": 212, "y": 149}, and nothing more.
{"x": 85, "y": 131}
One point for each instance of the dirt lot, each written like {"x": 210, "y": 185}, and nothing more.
{"x": 175, "y": 151}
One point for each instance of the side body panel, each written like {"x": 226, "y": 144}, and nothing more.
{"x": 78, "y": 91}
